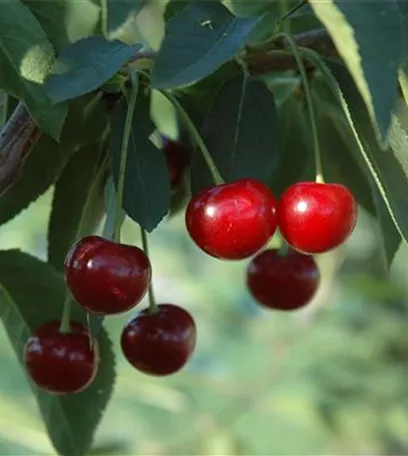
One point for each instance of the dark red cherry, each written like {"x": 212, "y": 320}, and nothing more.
{"x": 176, "y": 157}
{"x": 105, "y": 277}
{"x": 159, "y": 343}
{"x": 232, "y": 221}
{"x": 61, "y": 363}
{"x": 316, "y": 217}
{"x": 282, "y": 282}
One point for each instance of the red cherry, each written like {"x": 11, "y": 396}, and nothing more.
{"x": 176, "y": 158}
{"x": 316, "y": 217}
{"x": 283, "y": 282}
{"x": 232, "y": 221}
{"x": 105, "y": 277}
{"x": 159, "y": 343}
{"x": 61, "y": 363}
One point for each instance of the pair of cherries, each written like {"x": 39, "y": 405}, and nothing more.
{"x": 108, "y": 278}
{"x": 236, "y": 220}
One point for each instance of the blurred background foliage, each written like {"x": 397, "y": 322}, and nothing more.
{"x": 329, "y": 379}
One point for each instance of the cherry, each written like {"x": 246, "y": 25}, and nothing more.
{"x": 105, "y": 277}
{"x": 282, "y": 282}
{"x": 61, "y": 363}
{"x": 176, "y": 158}
{"x": 316, "y": 217}
{"x": 232, "y": 221}
{"x": 159, "y": 343}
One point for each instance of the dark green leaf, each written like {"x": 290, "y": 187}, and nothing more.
{"x": 86, "y": 65}
{"x": 147, "y": 187}
{"x": 173, "y": 7}
{"x": 77, "y": 206}
{"x": 65, "y": 22}
{"x": 241, "y": 131}
{"x": 247, "y": 8}
{"x": 368, "y": 36}
{"x": 294, "y": 145}
{"x": 391, "y": 239}
{"x": 49, "y": 15}
{"x": 388, "y": 168}
{"x": 403, "y": 70}
{"x": 31, "y": 293}
{"x": 202, "y": 94}
{"x": 87, "y": 121}
{"x": 120, "y": 10}
{"x": 197, "y": 41}
{"x": 26, "y": 56}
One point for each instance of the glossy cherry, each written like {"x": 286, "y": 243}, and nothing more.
{"x": 316, "y": 217}
{"x": 105, "y": 277}
{"x": 61, "y": 363}
{"x": 282, "y": 282}
{"x": 176, "y": 157}
{"x": 159, "y": 343}
{"x": 232, "y": 221}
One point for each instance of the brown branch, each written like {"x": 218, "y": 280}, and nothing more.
{"x": 259, "y": 61}
{"x": 17, "y": 138}
{"x": 317, "y": 39}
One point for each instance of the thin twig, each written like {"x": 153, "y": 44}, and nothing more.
{"x": 270, "y": 58}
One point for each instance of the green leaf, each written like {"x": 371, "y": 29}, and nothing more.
{"x": 87, "y": 121}
{"x": 146, "y": 197}
{"x": 65, "y": 22}
{"x": 391, "y": 239}
{"x": 241, "y": 131}
{"x": 31, "y": 293}
{"x": 49, "y": 15}
{"x": 403, "y": 70}
{"x": 120, "y": 10}
{"x": 202, "y": 94}
{"x": 245, "y": 8}
{"x": 26, "y": 56}
{"x": 368, "y": 37}
{"x": 77, "y": 206}
{"x": 173, "y": 7}
{"x": 86, "y": 65}
{"x": 388, "y": 168}
{"x": 197, "y": 41}
{"x": 294, "y": 145}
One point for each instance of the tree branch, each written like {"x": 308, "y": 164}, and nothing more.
{"x": 17, "y": 138}
{"x": 260, "y": 61}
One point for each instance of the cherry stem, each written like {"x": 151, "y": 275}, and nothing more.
{"x": 66, "y": 312}
{"x": 309, "y": 102}
{"x": 195, "y": 135}
{"x": 289, "y": 12}
{"x": 152, "y": 301}
{"x": 123, "y": 157}
{"x": 66, "y": 315}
